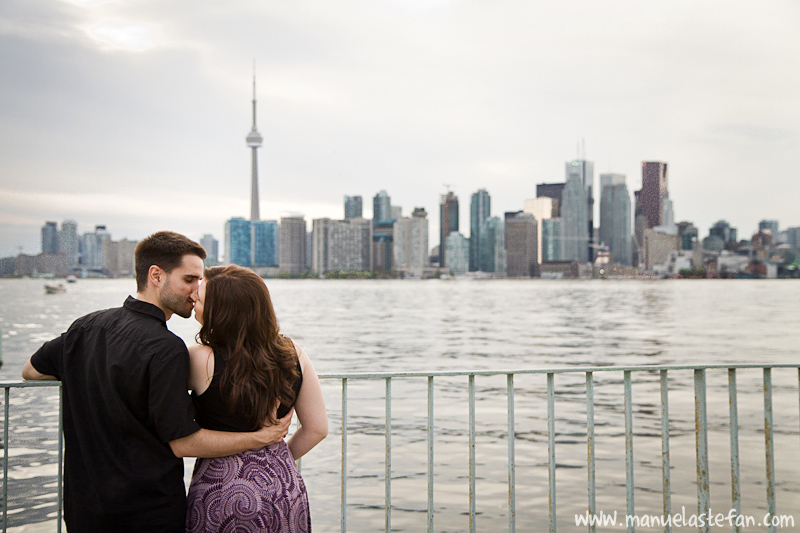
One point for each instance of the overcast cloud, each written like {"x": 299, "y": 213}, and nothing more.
{"x": 134, "y": 114}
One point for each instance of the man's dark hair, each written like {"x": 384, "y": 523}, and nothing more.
{"x": 164, "y": 249}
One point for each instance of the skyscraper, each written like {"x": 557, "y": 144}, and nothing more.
{"x": 458, "y": 253}
{"x": 92, "y": 246}
{"x": 254, "y": 140}
{"x": 381, "y": 208}
{"x": 574, "y": 213}
{"x": 353, "y": 207}
{"x": 238, "y": 241}
{"x": 724, "y": 231}
{"x": 118, "y": 257}
{"x": 50, "y": 244}
{"x": 615, "y": 217}
{"x": 448, "y": 222}
{"x": 552, "y": 239}
{"x": 264, "y": 233}
{"x": 293, "y": 245}
{"x": 521, "y": 246}
{"x": 211, "y": 246}
{"x": 68, "y": 242}
{"x": 341, "y": 245}
{"x": 382, "y": 245}
{"x": 771, "y": 225}
{"x": 411, "y": 243}
{"x": 584, "y": 171}
{"x": 479, "y": 211}
{"x": 650, "y": 199}
{"x": 493, "y": 246}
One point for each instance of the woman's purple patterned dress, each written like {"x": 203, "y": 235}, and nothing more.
{"x": 257, "y": 490}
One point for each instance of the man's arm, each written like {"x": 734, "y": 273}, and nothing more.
{"x": 28, "y": 372}
{"x": 210, "y": 443}
{"x": 47, "y": 359}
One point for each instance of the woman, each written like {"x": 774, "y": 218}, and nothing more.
{"x": 242, "y": 374}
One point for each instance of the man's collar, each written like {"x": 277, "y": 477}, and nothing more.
{"x": 145, "y": 308}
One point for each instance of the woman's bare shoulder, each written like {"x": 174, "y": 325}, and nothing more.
{"x": 201, "y": 367}
{"x": 301, "y": 354}
{"x": 200, "y": 351}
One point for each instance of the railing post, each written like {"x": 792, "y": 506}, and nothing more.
{"x": 5, "y": 459}
{"x": 551, "y": 448}
{"x": 512, "y": 506}
{"x": 736, "y": 495}
{"x": 472, "y": 524}
{"x": 60, "y": 512}
{"x": 701, "y": 440}
{"x": 344, "y": 456}
{"x": 388, "y": 461}
{"x": 430, "y": 454}
{"x": 590, "y": 446}
{"x": 628, "y": 447}
{"x": 665, "y": 473}
{"x": 769, "y": 445}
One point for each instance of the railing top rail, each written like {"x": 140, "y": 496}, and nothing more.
{"x": 501, "y": 372}
{"x": 562, "y": 370}
{"x": 21, "y": 383}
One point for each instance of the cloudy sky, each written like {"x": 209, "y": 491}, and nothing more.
{"x": 133, "y": 114}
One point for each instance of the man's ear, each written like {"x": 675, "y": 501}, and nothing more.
{"x": 156, "y": 276}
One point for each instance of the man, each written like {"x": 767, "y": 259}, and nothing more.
{"x": 128, "y": 419}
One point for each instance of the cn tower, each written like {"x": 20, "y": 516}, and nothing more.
{"x": 254, "y": 140}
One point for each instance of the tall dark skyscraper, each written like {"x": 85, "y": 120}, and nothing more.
{"x": 521, "y": 246}
{"x": 448, "y": 222}
{"x": 50, "y": 244}
{"x": 650, "y": 199}
{"x": 353, "y": 207}
{"x": 479, "y": 211}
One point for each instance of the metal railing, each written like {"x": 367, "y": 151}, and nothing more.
{"x": 7, "y": 386}
{"x": 701, "y": 437}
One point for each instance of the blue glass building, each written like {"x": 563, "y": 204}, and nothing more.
{"x": 238, "y": 241}
{"x": 264, "y": 233}
{"x": 480, "y": 210}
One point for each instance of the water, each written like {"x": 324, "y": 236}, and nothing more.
{"x": 371, "y": 326}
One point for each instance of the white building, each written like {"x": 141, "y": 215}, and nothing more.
{"x": 542, "y": 208}
{"x": 411, "y": 243}
{"x": 341, "y": 245}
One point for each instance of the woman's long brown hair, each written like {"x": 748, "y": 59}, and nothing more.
{"x": 239, "y": 322}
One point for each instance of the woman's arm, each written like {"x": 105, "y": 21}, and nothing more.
{"x": 310, "y": 409}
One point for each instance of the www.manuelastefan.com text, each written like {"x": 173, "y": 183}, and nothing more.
{"x": 682, "y": 519}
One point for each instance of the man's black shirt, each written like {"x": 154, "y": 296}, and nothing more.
{"x": 124, "y": 378}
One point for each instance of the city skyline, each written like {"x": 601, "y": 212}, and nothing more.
{"x": 143, "y": 111}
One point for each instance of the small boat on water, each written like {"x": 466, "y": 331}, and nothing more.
{"x": 54, "y": 289}
{"x": 71, "y": 279}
